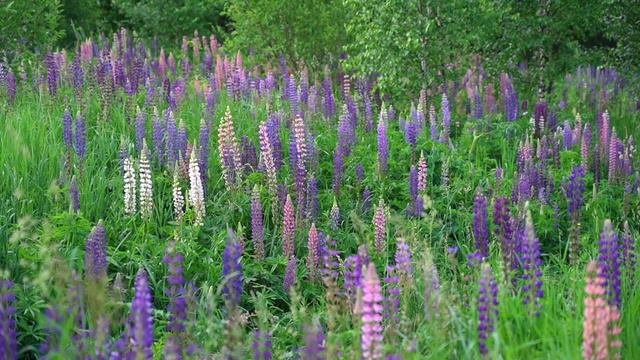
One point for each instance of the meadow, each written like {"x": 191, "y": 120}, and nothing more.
{"x": 196, "y": 204}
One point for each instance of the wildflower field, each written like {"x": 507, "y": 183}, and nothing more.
{"x": 195, "y": 204}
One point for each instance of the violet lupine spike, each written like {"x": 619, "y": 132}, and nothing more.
{"x": 338, "y": 165}
{"x": 402, "y": 258}
{"x": 203, "y": 158}
{"x": 379, "y": 225}
{"x": 74, "y": 197}
{"x": 314, "y": 348}
{"x": 183, "y": 152}
{"x": 261, "y": 345}
{"x": 232, "y": 271}
{"x": 532, "y": 274}
{"x": 267, "y": 158}
{"x": 446, "y": 119}
{"x": 229, "y": 151}
{"x": 67, "y": 132}
{"x": 8, "y": 342}
{"x": 95, "y": 255}
{"x": 371, "y": 338}
{"x": 505, "y": 232}
{"x": 628, "y": 252}
{"x": 574, "y": 189}
{"x": 288, "y": 228}
{"x": 392, "y": 298}
{"x": 609, "y": 263}
{"x": 257, "y": 229}
{"x": 328, "y": 102}
{"x": 313, "y": 257}
{"x": 52, "y": 73}
{"x": 171, "y": 138}
{"x": 383, "y": 147}
{"x": 413, "y": 183}
{"x": 177, "y": 307}
{"x": 290, "y": 274}
{"x": 567, "y": 135}
{"x": 80, "y": 144}
{"x": 487, "y": 308}
{"x": 140, "y": 129}
{"x": 140, "y": 327}
{"x": 480, "y": 227}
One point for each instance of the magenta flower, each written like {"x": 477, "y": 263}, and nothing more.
{"x": 371, "y": 338}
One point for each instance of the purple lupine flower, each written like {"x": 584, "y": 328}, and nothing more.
{"x": 313, "y": 343}
{"x": 140, "y": 326}
{"x": 158, "y": 137}
{"x": 609, "y": 263}
{"x": 541, "y": 114}
{"x": 328, "y": 103}
{"x": 574, "y": 188}
{"x": 352, "y": 276}
{"x": 177, "y": 307}
{"x": 288, "y": 228}
{"x": 74, "y": 197}
{"x": 8, "y": 343}
{"x": 567, "y": 135}
{"x": 366, "y": 199}
{"x": 232, "y": 271}
{"x": 487, "y": 307}
{"x": 413, "y": 183}
{"x": 330, "y": 262}
{"x": 345, "y": 133}
{"x": 334, "y": 216}
{"x": 410, "y": 134}
{"x": 292, "y": 95}
{"x": 504, "y": 228}
{"x": 477, "y": 104}
{"x": 290, "y": 274}
{"x": 183, "y": 154}
{"x": 403, "y": 260}
{"x": 383, "y": 147}
{"x": 257, "y": 229}
{"x": 338, "y": 164}
{"x": 171, "y": 138}
{"x": 95, "y": 255}
{"x": 203, "y": 157}
{"x": 80, "y": 137}
{"x": 140, "y": 129}
{"x": 368, "y": 114}
{"x": 392, "y": 298}
{"x": 371, "y": 339}
{"x": 480, "y": 228}
{"x": 11, "y": 87}
{"x": 312, "y": 198}
{"x": 261, "y": 345}
{"x": 78, "y": 74}
{"x": 67, "y": 133}
{"x": 313, "y": 257}
{"x": 52, "y": 73}
{"x": 532, "y": 274}
{"x": 586, "y": 143}
{"x": 628, "y": 251}
{"x": 446, "y": 119}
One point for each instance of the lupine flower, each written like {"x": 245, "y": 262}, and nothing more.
{"x": 541, "y": 112}
{"x": 504, "y": 229}
{"x": 371, "y": 339}
{"x": 67, "y": 134}
{"x": 232, "y": 270}
{"x": 328, "y": 103}
{"x": 574, "y": 189}
{"x": 567, "y": 135}
{"x": 171, "y": 138}
{"x": 288, "y": 228}
{"x": 95, "y": 259}
{"x": 383, "y": 147}
{"x": 177, "y": 298}
{"x": 74, "y": 198}
{"x": 480, "y": 228}
{"x": 628, "y": 251}
{"x": 267, "y": 159}
{"x": 140, "y": 128}
{"x": 613, "y": 156}
{"x": 532, "y": 274}
{"x": 600, "y": 336}
{"x": 422, "y": 173}
{"x": 584, "y": 146}
{"x": 313, "y": 258}
{"x": 609, "y": 263}
{"x": 379, "y": 225}
{"x": 196, "y": 192}
{"x": 261, "y": 345}
{"x": 182, "y": 141}
{"x": 487, "y": 307}
{"x": 446, "y": 118}
{"x": 290, "y": 274}
{"x": 433, "y": 125}
{"x": 403, "y": 260}
{"x": 158, "y": 137}
{"x": 8, "y": 343}
{"x": 140, "y": 327}
{"x": 129, "y": 187}
{"x": 368, "y": 114}
{"x": 80, "y": 137}
{"x": 178, "y": 197}
{"x": 52, "y": 73}
{"x": 229, "y": 151}
{"x": 313, "y": 343}
{"x": 257, "y": 230}
{"x": 146, "y": 186}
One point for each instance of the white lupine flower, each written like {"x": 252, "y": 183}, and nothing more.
{"x": 178, "y": 198}
{"x": 129, "y": 187}
{"x": 196, "y": 193}
{"x": 146, "y": 186}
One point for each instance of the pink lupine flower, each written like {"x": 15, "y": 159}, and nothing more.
{"x": 422, "y": 173}
{"x": 371, "y": 310}
{"x": 379, "y": 223}
{"x": 288, "y": 228}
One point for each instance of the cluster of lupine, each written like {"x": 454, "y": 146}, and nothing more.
{"x": 374, "y": 293}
